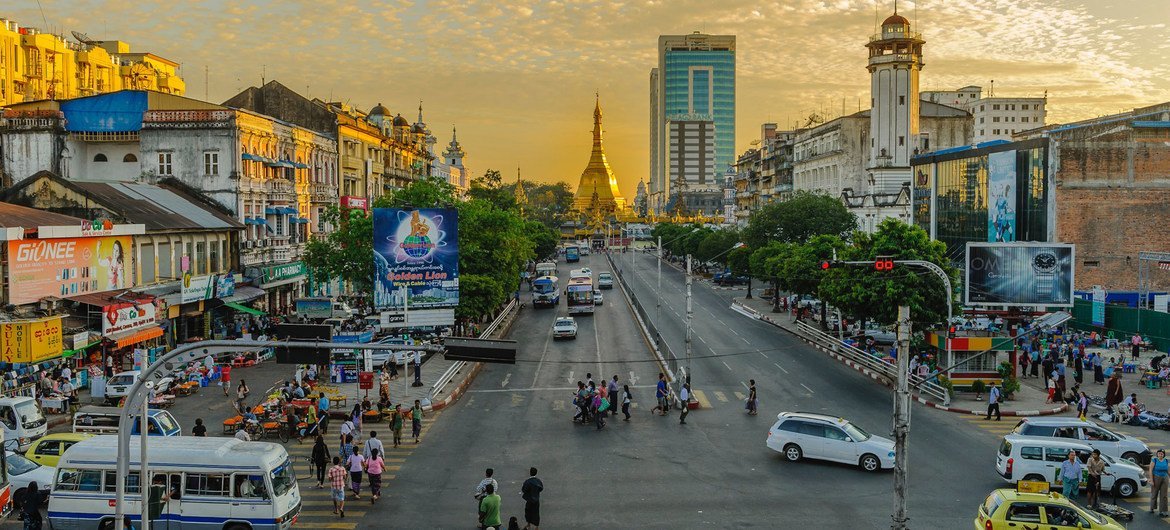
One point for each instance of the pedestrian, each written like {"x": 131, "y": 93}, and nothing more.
{"x": 347, "y": 430}
{"x": 337, "y": 476}
{"x": 599, "y": 409}
{"x": 1083, "y": 406}
{"x": 374, "y": 467}
{"x": 481, "y": 489}
{"x": 684, "y": 397}
{"x": 30, "y": 510}
{"x": 530, "y": 491}
{"x": 356, "y": 464}
{"x": 199, "y": 429}
{"x": 396, "y": 420}
{"x": 225, "y": 378}
{"x": 1035, "y": 362}
{"x": 371, "y": 445}
{"x": 416, "y": 417}
{"x": 356, "y": 418}
{"x": 1159, "y": 472}
{"x": 1070, "y": 476}
{"x": 1078, "y": 368}
{"x": 1096, "y": 467}
{"x": 752, "y": 403}
{"x": 660, "y": 394}
{"x": 346, "y": 446}
{"x": 1098, "y": 373}
{"x": 1114, "y": 393}
{"x": 626, "y": 399}
{"x": 612, "y": 391}
{"x": 513, "y": 523}
{"x": 1050, "y": 385}
{"x": 993, "y": 395}
{"x": 323, "y": 412}
{"x": 417, "y": 369}
{"x": 320, "y": 457}
{"x": 1136, "y": 348}
{"x": 489, "y": 509}
{"x": 241, "y": 393}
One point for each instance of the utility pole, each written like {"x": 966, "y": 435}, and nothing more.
{"x": 144, "y": 479}
{"x": 901, "y": 419}
{"x": 689, "y": 312}
{"x": 658, "y": 296}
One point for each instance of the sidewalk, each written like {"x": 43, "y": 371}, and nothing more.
{"x": 1028, "y": 401}
{"x": 1155, "y": 399}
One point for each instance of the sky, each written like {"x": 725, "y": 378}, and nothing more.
{"x": 517, "y": 77}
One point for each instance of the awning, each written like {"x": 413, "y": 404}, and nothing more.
{"x": 300, "y": 165}
{"x": 250, "y": 221}
{"x": 247, "y": 156}
{"x": 287, "y": 211}
{"x": 132, "y": 337}
{"x": 299, "y": 220}
{"x": 71, "y": 353}
{"x": 244, "y": 293}
{"x": 272, "y": 210}
{"x": 245, "y": 309}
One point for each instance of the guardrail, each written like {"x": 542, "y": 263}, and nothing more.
{"x": 455, "y": 367}
{"x": 925, "y": 386}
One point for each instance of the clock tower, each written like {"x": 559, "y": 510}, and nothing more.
{"x": 895, "y": 59}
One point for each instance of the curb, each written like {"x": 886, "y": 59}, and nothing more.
{"x": 459, "y": 390}
{"x": 883, "y": 380}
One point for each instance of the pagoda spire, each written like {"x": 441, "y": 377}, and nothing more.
{"x": 597, "y": 175}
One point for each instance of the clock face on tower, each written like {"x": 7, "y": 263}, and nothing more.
{"x": 1044, "y": 262}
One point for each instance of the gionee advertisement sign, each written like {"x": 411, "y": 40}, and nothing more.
{"x": 30, "y": 341}
{"x": 67, "y": 267}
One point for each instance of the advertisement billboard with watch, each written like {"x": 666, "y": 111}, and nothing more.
{"x": 1019, "y": 274}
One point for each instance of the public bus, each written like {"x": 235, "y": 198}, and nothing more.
{"x": 545, "y": 292}
{"x": 546, "y": 268}
{"x": 572, "y": 254}
{"x": 214, "y": 483}
{"x": 580, "y": 294}
{"x": 584, "y": 272}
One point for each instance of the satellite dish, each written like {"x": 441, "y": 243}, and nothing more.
{"x": 83, "y": 38}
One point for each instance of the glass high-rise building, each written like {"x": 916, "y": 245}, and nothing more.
{"x": 694, "y": 81}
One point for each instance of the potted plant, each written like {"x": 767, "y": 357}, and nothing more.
{"x": 946, "y": 383}
{"x": 1010, "y": 386}
{"x": 978, "y": 386}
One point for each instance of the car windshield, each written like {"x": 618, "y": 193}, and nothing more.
{"x": 855, "y": 432}
{"x": 28, "y": 410}
{"x": 1089, "y": 514}
{"x": 19, "y": 465}
{"x": 167, "y": 422}
{"x": 122, "y": 380}
{"x": 283, "y": 478}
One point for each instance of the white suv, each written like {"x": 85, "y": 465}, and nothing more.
{"x": 1110, "y": 443}
{"x": 1039, "y": 459}
{"x": 803, "y": 435}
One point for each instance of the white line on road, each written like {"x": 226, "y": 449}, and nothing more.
{"x": 701, "y": 339}
{"x": 745, "y": 340}
{"x": 810, "y": 391}
{"x": 733, "y": 331}
{"x": 762, "y": 354}
{"x": 545, "y": 389}
{"x": 570, "y": 377}
{"x": 507, "y": 377}
{"x": 633, "y": 378}
{"x": 745, "y": 385}
{"x": 780, "y": 367}
{"x": 727, "y": 365}
{"x": 544, "y": 352}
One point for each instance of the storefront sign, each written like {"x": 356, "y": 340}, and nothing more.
{"x": 31, "y": 341}
{"x": 357, "y": 203}
{"x": 117, "y": 318}
{"x": 196, "y": 288}
{"x": 67, "y": 267}
{"x": 79, "y": 340}
{"x": 225, "y": 285}
{"x": 278, "y": 273}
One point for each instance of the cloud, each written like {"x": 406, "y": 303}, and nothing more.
{"x": 518, "y": 76}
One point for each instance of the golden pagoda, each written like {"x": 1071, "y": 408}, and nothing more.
{"x": 598, "y": 189}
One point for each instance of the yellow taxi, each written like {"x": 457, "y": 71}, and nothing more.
{"x": 1033, "y": 506}
{"x": 48, "y": 449}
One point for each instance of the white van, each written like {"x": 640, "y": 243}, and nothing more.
{"x": 1114, "y": 444}
{"x": 119, "y": 385}
{"x": 214, "y": 483}
{"x": 1039, "y": 459}
{"x": 22, "y": 421}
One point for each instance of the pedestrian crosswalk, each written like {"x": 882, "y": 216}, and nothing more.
{"x": 317, "y": 504}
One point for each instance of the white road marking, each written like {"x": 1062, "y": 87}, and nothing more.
{"x": 745, "y": 385}
{"x": 746, "y": 341}
{"x": 547, "y": 341}
{"x": 543, "y": 389}
{"x": 810, "y": 391}
{"x": 762, "y": 354}
{"x": 633, "y": 378}
{"x": 701, "y": 339}
{"x": 733, "y": 331}
{"x": 780, "y": 367}
{"x": 570, "y": 377}
{"x": 727, "y": 365}
{"x": 506, "y": 378}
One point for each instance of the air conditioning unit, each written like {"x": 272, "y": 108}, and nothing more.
{"x": 249, "y": 244}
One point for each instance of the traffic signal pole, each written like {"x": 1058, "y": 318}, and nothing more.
{"x": 901, "y": 419}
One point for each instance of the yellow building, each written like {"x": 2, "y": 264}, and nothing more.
{"x": 36, "y": 65}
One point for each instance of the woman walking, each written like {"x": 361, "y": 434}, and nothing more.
{"x": 374, "y": 467}
{"x": 1159, "y": 471}
{"x": 416, "y": 415}
{"x": 626, "y": 399}
{"x": 241, "y": 393}
{"x": 320, "y": 459}
{"x": 752, "y": 403}
{"x": 356, "y": 418}
{"x": 356, "y": 464}
{"x": 1083, "y": 406}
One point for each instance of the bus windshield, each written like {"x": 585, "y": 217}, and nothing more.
{"x": 544, "y": 285}
{"x": 283, "y": 478}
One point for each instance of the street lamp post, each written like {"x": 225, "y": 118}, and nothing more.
{"x": 689, "y": 313}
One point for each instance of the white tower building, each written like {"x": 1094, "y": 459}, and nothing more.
{"x": 895, "y": 58}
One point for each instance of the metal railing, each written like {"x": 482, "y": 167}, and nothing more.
{"x": 924, "y": 386}
{"x": 455, "y": 367}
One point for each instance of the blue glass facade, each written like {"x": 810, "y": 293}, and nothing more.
{"x": 703, "y": 82}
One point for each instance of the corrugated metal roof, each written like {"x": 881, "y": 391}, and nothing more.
{"x": 12, "y": 216}
{"x": 157, "y": 207}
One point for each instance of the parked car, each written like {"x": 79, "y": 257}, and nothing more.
{"x": 727, "y": 278}
{"x": 803, "y": 435}
{"x": 565, "y": 328}
{"x": 46, "y": 451}
{"x": 22, "y": 471}
{"x": 1009, "y": 509}
{"x": 597, "y": 298}
{"x": 880, "y": 335}
{"x": 1039, "y": 459}
{"x": 1110, "y": 443}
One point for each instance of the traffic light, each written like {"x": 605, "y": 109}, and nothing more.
{"x": 826, "y": 265}
{"x": 883, "y": 264}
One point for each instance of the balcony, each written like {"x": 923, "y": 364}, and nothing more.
{"x": 323, "y": 192}
{"x": 280, "y": 189}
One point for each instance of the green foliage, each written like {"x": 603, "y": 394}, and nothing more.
{"x": 491, "y": 188}
{"x": 544, "y": 238}
{"x": 946, "y": 383}
{"x": 739, "y": 261}
{"x": 346, "y": 252}
{"x": 716, "y": 245}
{"x": 798, "y": 219}
{"x": 550, "y": 204}
{"x": 863, "y": 292}
{"x": 978, "y": 386}
{"x": 1010, "y": 386}
{"x": 762, "y": 262}
{"x": 478, "y": 295}
{"x": 800, "y": 270}
{"x": 680, "y": 239}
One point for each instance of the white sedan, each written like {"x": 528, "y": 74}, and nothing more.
{"x": 22, "y": 472}
{"x": 565, "y": 328}
{"x": 597, "y": 298}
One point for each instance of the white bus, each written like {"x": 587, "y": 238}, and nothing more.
{"x": 580, "y": 295}
{"x": 215, "y": 483}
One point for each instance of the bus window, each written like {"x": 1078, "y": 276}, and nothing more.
{"x": 250, "y": 486}
{"x": 112, "y": 480}
{"x": 208, "y": 485}
{"x": 79, "y": 480}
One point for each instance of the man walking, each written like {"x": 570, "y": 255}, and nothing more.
{"x": 483, "y": 484}
{"x": 752, "y": 403}
{"x": 993, "y": 402}
{"x": 660, "y": 394}
{"x": 530, "y": 491}
{"x": 417, "y": 369}
{"x": 489, "y": 509}
{"x": 1096, "y": 467}
{"x": 337, "y": 475}
{"x": 1070, "y": 475}
{"x": 684, "y": 397}
{"x": 373, "y": 443}
{"x": 612, "y": 392}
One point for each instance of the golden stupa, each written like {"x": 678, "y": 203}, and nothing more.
{"x": 597, "y": 193}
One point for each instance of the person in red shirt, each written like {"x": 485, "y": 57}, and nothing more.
{"x": 225, "y": 377}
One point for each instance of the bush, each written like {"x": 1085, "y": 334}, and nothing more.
{"x": 1010, "y": 385}
{"x": 978, "y": 386}
{"x": 946, "y": 383}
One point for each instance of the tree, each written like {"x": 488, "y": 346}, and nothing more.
{"x": 800, "y": 270}
{"x": 739, "y": 261}
{"x": 346, "y": 252}
{"x": 491, "y": 188}
{"x": 544, "y": 239}
{"x": 798, "y": 219}
{"x": 763, "y": 264}
{"x": 717, "y": 245}
{"x": 550, "y": 204}
{"x": 863, "y": 292}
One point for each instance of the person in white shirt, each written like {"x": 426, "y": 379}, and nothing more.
{"x": 373, "y": 443}
{"x": 243, "y": 435}
{"x": 684, "y": 396}
{"x": 66, "y": 373}
{"x": 417, "y": 369}
{"x": 481, "y": 489}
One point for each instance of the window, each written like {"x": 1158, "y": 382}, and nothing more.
{"x": 79, "y": 480}
{"x": 1065, "y": 516}
{"x": 210, "y": 163}
{"x": 112, "y": 481}
{"x": 100, "y": 158}
{"x": 49, "y": 448}
{"x": 901, "y": 100}
{"x": 1024, "y": 119}
{"x": 211, "y": 484}
{"x": 1031, "y": 453}
{"x": 901, "y": 140}
{"x": 995, "y": 119}
{"x": 812, "y": 429}
{"x": 981, "y": 108}
{"x": 834, "y": 433}
{"x": 995, "y": 107}
{"x": 1023, "y": 513}
{"x": 129, "y": 158}
{"x": 280, "y": 224}
{"x": 164, "y": 164}
{"x": 995, "y": 131}
{"x": 251, "y": 486}
{"x": 980, "y": 132}
{"x": 981, "y": 119}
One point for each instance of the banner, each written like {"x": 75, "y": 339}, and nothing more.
{"x": 1014, "y": 274}
{"x": 1099, "y": 296}
{"x": 66, "y": 267}
{"x": 196, "y": 288}
{"x": 117, "y": 318}
{"x": 1001, "y": 205}
{"x": 419, "y": 250}
{"x": 31, "y": 341}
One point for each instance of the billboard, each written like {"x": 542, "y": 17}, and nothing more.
{"x": 1001, "y": 193}
{"x": 417, "y": 249}
{"x": 127, "y": 316}
{"x": 1014, "y": 274}
{"x": 67, "y": 267}
{"x": 31, "y": 341}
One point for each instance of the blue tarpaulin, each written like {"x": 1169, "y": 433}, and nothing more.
{"x": 115, "y": 112}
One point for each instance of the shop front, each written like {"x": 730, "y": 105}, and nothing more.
{"x": 28, "y": 349}
{"x": 283, "y": 283}
{"x": 967, "y": 350}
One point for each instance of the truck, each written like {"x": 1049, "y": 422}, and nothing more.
{"x": 319, "y": 308}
